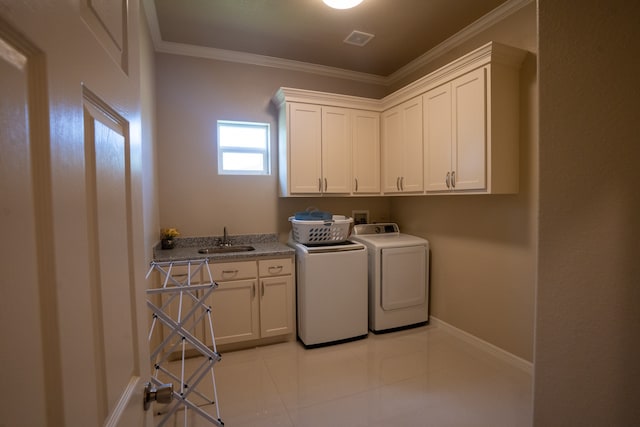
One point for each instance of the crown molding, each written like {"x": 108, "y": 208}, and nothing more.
{"x": 288, "y": 94}
{"x": 496, "y": 15}
{"x": 265, "y": 61}
{"x": 491, "y": 53}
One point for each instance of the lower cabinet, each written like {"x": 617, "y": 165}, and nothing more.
{"x": 276, "y": 297}
{"x": 254, "y": 300}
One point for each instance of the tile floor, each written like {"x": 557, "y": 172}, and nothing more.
{"x": 419, "y": 377}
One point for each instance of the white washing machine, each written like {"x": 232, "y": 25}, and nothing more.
{"x": 398, "y": 277}
{"x": 331, "y": 283}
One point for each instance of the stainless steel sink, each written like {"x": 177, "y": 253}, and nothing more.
{"x": 226, "y": 249}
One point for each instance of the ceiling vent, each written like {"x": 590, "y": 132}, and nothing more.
{"x": 358, "y": 38}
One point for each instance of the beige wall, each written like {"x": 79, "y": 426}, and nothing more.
{"x": 483, "y": 263}
{"x": 588, "y": 295}
{"x": 192, "y": 94}
{"x": 484, "y": 246}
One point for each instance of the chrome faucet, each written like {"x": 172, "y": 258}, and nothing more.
{"x": 225, "y": 238}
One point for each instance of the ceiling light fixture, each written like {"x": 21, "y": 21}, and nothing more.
{"x": 342, "y": 4}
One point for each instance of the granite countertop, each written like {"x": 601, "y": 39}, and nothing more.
{"x": 266, "y": 245}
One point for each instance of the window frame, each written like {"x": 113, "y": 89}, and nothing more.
{"x": 266, "y": 152}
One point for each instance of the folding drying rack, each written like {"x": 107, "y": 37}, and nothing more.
{"x": 191, "y": 310}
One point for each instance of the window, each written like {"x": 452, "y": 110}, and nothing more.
{"x": 243, "y": 148}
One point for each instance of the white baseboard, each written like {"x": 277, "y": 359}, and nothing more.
{"x": 501, "y": 354}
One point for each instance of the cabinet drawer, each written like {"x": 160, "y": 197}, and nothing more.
{"x": 234, "y": 270}
{"x": 181, "y": 273}
{"x": 275, "y": 267}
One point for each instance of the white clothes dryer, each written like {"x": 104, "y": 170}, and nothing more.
{"x": 398, "y": 277}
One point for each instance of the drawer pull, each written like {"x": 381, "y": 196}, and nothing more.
{"x": 229, "y": 272}
{"x": 275, "y": 269}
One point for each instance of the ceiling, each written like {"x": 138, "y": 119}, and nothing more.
{"x": 309, "y": 34}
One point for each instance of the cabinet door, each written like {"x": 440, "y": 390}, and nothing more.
{"x": 234, "y": 311}
{"x": 437, "y": 138}
{"x": 276, "y": 306}
{"x": 469, "y": 130}
{"x": 366, "y": 152}
{"x": 412, "y": 170}
{"x": 392, "y": 151}
{"x": 336, "y": 150}
{"x": 402, "y": 154}
{"x": 305, "y": 149}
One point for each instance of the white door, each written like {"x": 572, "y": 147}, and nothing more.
{"x": 72, "y": 313}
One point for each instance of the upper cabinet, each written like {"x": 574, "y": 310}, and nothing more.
{"x": 402, "y": 147}
{"x": 455, "y": 134}
{"x": 453, "y": 130}
{"x": 319, "y": 145}
{"x": 326, "y": 147}
{"x": 471, "y": 134}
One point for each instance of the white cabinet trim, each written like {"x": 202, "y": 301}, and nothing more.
{"x": 491, "y": 52}
{"x": 501, "y": 63}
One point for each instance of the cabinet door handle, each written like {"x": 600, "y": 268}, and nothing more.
{"x": 253, "y": 290}
{"x": 398, "y": 183}
{"x": 325, "y": 184}
{"x": 320, "y": 184}
{"x": 356, "y": 184}
{"x": 453, "y": 179}
{"x": 234, "y": 272}
{"x": 446, "y": 180}
{"x": 275, "y": 269}
{"x": 402, "y": 183}
{"x": 262, "y": 288}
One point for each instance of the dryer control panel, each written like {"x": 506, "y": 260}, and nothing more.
{"x": 381, "y": 228}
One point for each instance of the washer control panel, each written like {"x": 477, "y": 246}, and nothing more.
{"x": 381, "y": 228}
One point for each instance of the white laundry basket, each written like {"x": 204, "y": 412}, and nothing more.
{"x": 321, "y": 232}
